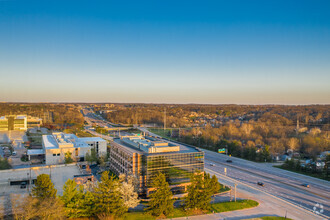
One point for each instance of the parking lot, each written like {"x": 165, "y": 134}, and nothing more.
{"x": 59, "y": 175}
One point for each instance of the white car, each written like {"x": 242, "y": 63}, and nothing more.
{"x": 14, "y": 153}
{"x": 212, "y": 164}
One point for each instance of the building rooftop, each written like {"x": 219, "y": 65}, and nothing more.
{"x": 152, "y": 145}
{"x": 62, "y": 140}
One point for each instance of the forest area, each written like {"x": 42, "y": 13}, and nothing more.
{"x": 274, "y": 130}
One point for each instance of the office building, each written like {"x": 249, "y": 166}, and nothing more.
{"x": 18, "y": 122}
{"x": 144, "y": 157}
{"x": 56, "y": 145}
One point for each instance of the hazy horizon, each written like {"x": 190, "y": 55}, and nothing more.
{"x": 210, "y": 52}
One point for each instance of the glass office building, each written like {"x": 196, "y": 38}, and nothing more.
{"x": 144, "y": 157}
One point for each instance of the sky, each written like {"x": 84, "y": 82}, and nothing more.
{"x": 164, "y": 51}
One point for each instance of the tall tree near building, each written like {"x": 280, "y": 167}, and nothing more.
{"x": 107, "y": 198}
{"x": 199, "y": 192}
{"x": 161, "y": 202}
{"x": 127, "y": 191}
{"x": 44, "y": 188}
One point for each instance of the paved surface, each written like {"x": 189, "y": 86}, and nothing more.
{"x": 282, "y": 194}
{"x": 283, "y": 184}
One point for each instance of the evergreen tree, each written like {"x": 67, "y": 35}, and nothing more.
{"x": 44, "y": 188}
{"x": 161, "y": 202}
{"x": 215, "y": 185}
{"x": 199, "y": 192}
{"x": 107, "y": 198}
{"x": 73, "y": 199}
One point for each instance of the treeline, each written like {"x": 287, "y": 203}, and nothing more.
{"x": 187, "y": 115}
{"x": 110, "y": 198}
{"x": 309, "y": 169}
{"x": 54, "y": 116}
{"x": 242, "y": 139}
{"x": 246, "y": 130}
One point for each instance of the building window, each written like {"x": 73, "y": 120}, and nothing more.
{"x": 54, "y": 155}
{"x": 58, "y": 154}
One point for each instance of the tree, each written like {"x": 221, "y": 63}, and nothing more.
{"x": 214, "y": 183}
{"x": 68, "y": 158}
{"x": 28, "y": 207}
{"x": 4, "y": 164}
{"x": 128, "y": 191}
{"x": 91, "y": 157}
{"x": 199, "y": 192}
{"x": 44, "y": 188}
{"x": 161, "y": 202}
{"x": 107, "y": 198}
{"x": 77, "y": 203}
{"x": 293, "y": 143}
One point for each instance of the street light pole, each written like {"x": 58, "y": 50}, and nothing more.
{"x": 235, "y": 191}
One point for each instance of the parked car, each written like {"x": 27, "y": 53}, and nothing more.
{"x": 212, "y": 164}
{"x": 229, "y": 161}
{"x": 14, "y": 153}
{"x": 305, "y": 185}
{"x": 261, "y": 184}
{"x": 23, "y": 185}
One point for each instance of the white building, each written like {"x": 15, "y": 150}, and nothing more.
{"x": 55, "y": 147}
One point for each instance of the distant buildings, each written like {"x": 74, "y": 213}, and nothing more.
{"x": 144, "y": 157}
{"x": 18, "y": 122}
{"x": 56, "y": 145}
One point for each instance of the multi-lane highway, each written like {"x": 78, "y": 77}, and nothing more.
{"x": 282, "y": 184}
{"x": 282, "y": 191}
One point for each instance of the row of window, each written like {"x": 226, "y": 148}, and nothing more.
{"x": 54, "y": 155}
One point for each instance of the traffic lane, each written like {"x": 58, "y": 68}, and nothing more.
{"x": 293, "y": 195}
{"x": 265, "y": 166}
{"x": 268, "y": 204}
{"x": 295, "y": 180}
{"x": 287, "y": 192}
{"x": 297, "y": 184}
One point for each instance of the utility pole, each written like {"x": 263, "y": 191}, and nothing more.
{"x": 235, "y": 191}
{"x": 164, "y": 119}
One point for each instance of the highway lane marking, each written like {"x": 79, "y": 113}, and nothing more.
{"x": 276, "y": 197}
{"x": 271, "y": 178}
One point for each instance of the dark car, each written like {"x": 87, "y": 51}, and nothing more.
{"x": 305, "y": 185}
{"x": 229, "y": 161}
{"x": 23, "y": 185}
{"x": 261, "y": 184}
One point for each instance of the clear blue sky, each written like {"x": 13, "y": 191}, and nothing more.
{"x": 164, "y": 51}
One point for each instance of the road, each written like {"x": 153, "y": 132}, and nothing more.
{"x": 282, "y": 191}
{"x": 281, "y": 186}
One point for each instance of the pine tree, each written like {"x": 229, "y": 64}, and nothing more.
{"x": 44, "y": 188}
{"x": 199, "y": 192}
{"x": 161, "y": 202}
{"x": 107, "y": 198}
{"x": 216, "y": 186}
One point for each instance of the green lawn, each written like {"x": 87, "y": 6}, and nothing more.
{"x": 231, "y": 206}
{"x": 179, "y": 212}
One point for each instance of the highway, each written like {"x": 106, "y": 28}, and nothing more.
{"x": 279, "y": 183}
{"x": 282, "y": 192}
{"x": 281, "y": 186}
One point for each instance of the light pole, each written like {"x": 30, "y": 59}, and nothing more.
{"x": 235, "y": 191}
